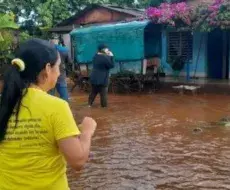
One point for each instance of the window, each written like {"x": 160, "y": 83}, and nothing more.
{"x": 180, "y": 44}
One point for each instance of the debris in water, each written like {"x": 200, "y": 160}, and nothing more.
{"x": 197, "y": 130}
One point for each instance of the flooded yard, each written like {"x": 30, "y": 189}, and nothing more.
{"x": 152, "y": 142}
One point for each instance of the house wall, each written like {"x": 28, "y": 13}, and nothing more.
{"x": 200, "y": 56}
{"x": 101, "y": 15}
{"x": 198, "y": 64}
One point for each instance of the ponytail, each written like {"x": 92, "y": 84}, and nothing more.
{"x": 12, "y": 94}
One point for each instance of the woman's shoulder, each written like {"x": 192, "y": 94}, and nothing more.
{"x": 53, "y": 100}
{"x": 45, "y": 99}
{"x": 53, "y": 105}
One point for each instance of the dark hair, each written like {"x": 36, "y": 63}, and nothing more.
{"x": 35, "y": 54}
{"x": 101, "y": 47}
{"x": 61, "y": 42}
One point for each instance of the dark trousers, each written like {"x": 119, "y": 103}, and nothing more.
{"x": 102, "y": 90}
{"x": 156, "y": 81}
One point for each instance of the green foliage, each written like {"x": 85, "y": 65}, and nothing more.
{"x": 128, "y": 3}
{"x": 8, "y": 37}
{"x": 23, "y": 36}
{"x": 6, "y": 46}
{"x": 47, "y": 13}
{"x": 44, "y": 13}
{"x": 155, "y": 3}
{"x": 7, "y": 21}
{"x": 52, "y": 12}
{"x": 148, "y": 3}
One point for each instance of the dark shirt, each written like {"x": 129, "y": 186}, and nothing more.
{"x": 101, "y": 66}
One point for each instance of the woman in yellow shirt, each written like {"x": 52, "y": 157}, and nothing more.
{"x": 38, "y": 133}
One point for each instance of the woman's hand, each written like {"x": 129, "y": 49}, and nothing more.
{"x": 88, "y": 125}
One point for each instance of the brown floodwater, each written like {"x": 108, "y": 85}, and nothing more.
{"x": 148, "y": 142}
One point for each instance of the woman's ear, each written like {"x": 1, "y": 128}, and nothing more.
{"x": 48, "y": 68}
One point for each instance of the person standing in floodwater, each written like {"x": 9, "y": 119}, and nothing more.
{"x": 61, "y": 85}
{"x": 38, "y": 133}
{"x": 99, "y": 78}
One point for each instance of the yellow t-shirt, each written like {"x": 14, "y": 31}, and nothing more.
{"x": 29, "y": 155}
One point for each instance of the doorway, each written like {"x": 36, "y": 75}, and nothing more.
{"x": 218, "y": 54}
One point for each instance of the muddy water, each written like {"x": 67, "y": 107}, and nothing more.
{"x": 147, "y": 142}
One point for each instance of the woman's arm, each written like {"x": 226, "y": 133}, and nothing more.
{"x": 76, "y": 149}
